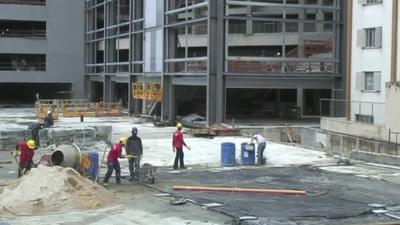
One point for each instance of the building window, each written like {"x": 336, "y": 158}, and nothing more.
{"x": 364, "y": 118}
{"x": 22, "y": 62}
{"x": 368, "y": 81}
{"x": 370, "y": 37}
{"x": 23, "y": 2}
{"x": 35, "y": 29}
{"x": 370, "y": 2}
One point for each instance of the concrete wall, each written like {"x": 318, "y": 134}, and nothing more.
{"x": 368, "y": 16}
{"x": 342, "y": 126}
{"x": 392, "y": 116}
{"x": 64, "y": 45}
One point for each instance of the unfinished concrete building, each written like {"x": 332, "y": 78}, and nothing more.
{"x": 222, "y": 59}
{"x": 41, "y": 50}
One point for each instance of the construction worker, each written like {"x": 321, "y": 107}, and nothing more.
{"x": 25, "y": 151}
{"x": 261, "y": 144}
{"x": 134, "y": 152}
{"x": 177, "y": 146}
{"x": 49, "y": 121}
{"x": 112, "y": 161}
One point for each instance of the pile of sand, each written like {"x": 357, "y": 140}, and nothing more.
{"x": 52, "y": 189}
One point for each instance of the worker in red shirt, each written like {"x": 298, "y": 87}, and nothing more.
{"x": 25, "y": 151}
{"x": 112, "y": 161}
{"x": 177, "y": 146}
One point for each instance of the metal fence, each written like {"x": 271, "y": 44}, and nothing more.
{"x": 394, "y": 136}
{"x": 360, "y": 111}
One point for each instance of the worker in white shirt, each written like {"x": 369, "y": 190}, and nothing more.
{"x": 261, "y": 144}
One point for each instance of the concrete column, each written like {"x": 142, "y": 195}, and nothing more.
{"x": 249, "y": 21}
{"x": 320, "y": 17}
{"x": 300, "y": 102}
{"x": 215, "y": 79}
{"x": 136, "y": 55}
{"x": 109, "y": 89}
{"x": 168, "y": 103}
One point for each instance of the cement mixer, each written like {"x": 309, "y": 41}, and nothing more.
{"x": 66, "y": 156}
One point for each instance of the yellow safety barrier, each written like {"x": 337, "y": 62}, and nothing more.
{"x": 76, "y": 108}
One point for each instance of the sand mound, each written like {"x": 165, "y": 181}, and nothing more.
{"x": 52, "y": 189}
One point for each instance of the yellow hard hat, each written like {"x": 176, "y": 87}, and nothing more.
{"x": 31, "y": 144}
{"x": 179, "y": 125}
{"x": 123, "y": 140}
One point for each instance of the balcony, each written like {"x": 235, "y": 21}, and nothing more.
{"x": 22, "y": 62}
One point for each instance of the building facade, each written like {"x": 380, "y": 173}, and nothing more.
{"x": 221, "y": 59}
{"x": 41, "y": 50}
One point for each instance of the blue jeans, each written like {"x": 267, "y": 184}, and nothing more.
{"x": 179, "y": 157}
{"x": 134, "y": 168}
{"x": 111, "y": 166}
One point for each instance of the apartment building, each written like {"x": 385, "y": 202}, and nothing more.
{"x": 372, "y": 87}
{"x": 41, "y": 50}
{"x": 222, "y": 59}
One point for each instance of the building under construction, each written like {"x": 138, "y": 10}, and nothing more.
{"x": 221, "y": 59}
{"x": 41, "y": 50}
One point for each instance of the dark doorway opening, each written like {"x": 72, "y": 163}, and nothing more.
{"x": 122, "y": 92}
{"x": 97, "y": 91}
{"x": 261, "y": 103}
{"x": 312, "y": 101}
{"x": 190, "y": 99}
{"x": 25, "y": 93}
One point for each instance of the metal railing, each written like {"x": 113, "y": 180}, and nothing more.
{"x": 24, "y": 2}
{"x": 396, "y": 135}
{"x": 360, "y": 111}
{"x": 23, "y": 33}
{"x": 15, "y": 66}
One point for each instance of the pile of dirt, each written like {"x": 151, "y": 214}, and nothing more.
{"x": 52, "y": 189}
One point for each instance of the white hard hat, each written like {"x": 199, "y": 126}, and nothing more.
{"x": 48, "y": 112}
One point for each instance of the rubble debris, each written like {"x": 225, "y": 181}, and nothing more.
{"x": 239, "y": 190}
{"x": 217, "y": 129}
{"x": 193, "y": 118}
{"x": 52, "y": 189}
{"x": 178, "y": 201}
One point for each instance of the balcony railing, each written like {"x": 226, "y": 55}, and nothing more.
{"x": 23, "y": 2}
{"x": 22, "y": 66}
{"x": 23, "y": 33}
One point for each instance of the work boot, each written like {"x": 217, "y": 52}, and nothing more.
{"x": 105, "y": 184}
{"x": 175, "y": 168}
{"x": 183, "y": 167}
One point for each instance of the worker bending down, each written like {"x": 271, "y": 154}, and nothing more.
{"x": 261, "y": 144}
{"x": 112, "y": 161}
{"x": 25, "y": 151}
{"x": 134, "y": 152}
{"x": 177, "y": 146}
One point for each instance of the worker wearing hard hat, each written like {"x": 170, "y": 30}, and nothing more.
{"x": 112, "y": 161}
{"x": 177, "y": 146}
{"x": 25, "y": 151}
{"x": 261, "y": 144}
{"x": 49, "y": 120}
{"x": 134, "y": 153}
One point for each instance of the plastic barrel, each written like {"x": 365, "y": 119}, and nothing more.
{"x": 248, "y": 155}
{"x": 228, "y": 154}
{"x": 94, "y": 164}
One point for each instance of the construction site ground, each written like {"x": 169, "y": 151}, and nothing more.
{"x": 335, "y": 194}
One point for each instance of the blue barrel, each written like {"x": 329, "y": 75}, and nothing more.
{"x": 228, "y": 153}
{"x": 248, "y": 155}
{"x": 94, "y": 164}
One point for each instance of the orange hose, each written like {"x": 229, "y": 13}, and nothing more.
{"x": 239, "y": 190}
